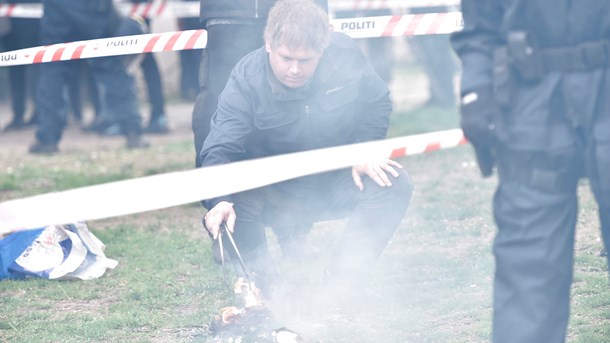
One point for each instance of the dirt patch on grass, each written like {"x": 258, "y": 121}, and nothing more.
{"x": 14, "y": 144}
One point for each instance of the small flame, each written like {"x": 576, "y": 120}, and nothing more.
{"x": 251, "y": 294}
{"x": 227, "y": 314}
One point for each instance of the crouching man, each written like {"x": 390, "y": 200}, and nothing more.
{"x": 306, "y": 88}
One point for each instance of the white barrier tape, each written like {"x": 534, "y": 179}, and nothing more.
{"x": 400, "y": 25}
{"x": 173, "y": 189}
{"x": 157, "y": 9}
{"x": 125, "y": 45}
{"x": 349, "y": 5}
{"x": 365, "y": 27}
{"x": 21, "y": 10}
{"x": 147, "y": 10}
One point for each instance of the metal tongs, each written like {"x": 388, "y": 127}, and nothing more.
{"x": 247, "y": 275}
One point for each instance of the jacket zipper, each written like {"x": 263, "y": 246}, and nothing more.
{"x": 311, "y": 139}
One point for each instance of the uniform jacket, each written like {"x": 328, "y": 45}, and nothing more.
{"x": 552, "y": 24}
{"x": 345, "y": 102}
{"x": 557, "y": 23}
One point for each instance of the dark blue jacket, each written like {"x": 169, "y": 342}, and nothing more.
{"x": 551, "y": 24}
{"x": 345, "y": 102}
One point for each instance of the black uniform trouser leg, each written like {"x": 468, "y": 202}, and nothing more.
{"x": 534, "y": 250}
{"x": 154, "y": 86}
{"x": 598, "y": 167}
{"x": 51, "y": 102}
{"x": 118, "y": 89}
{"x": 17, "y": 77}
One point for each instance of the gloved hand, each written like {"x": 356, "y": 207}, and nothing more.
{"x": 479, "y": 112}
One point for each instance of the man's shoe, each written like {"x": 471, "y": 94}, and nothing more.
{"x": 15, "y": 125}
{"x": 112, "y": 130}
{"x": 99, "y": 124}
{"x": 134, "y": 141}
{"x": 157, "y": 125}
{"x": 43, "y": 148}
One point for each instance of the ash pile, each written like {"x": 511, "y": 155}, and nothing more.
{"x": 251, "y": 323}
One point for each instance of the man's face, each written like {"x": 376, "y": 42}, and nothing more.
{"x": 293, "y": 67}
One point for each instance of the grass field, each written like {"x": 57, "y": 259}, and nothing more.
{"x": 433, "y": 283}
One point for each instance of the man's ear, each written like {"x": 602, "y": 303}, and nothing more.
{"x": 268, "y": 48}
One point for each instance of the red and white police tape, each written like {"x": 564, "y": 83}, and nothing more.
{"x": 177, "y": 188}
{"x": 400, "y": 25}
{"x": 190, "y": 9}
{"x": 125, "y": 45}
{"x": 176, "y": 9}
{"x": 365, "y": 27}
{"x": 21, "y": 10}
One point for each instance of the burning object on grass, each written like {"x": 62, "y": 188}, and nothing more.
{"x": 236, "y": 324}
{"x": 250, "y": 294}
{"x": 227, "y": 314}
{"x": 253, "y": 321}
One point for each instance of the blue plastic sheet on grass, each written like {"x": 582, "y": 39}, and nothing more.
{"x": 11, "y": 247}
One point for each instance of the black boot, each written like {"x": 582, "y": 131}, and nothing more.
{"x": 134, "y": 141}
{"x": 15, "y": 125}
{"x": 43, "y": 148}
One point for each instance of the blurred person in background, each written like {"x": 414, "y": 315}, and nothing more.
{"x": 67, "y": 21}
{"x": 379, "y": 50}
{"x": 189, "y": 60}
{"x": 433, "y": 52}
{"x": 154, "y": 87}
{"x": 81, "y": 75}
{"x": 22, "y": 33}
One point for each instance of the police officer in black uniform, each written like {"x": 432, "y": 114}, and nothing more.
{"x": 23, "y": 33}
{"x": 157, "y": 122}
{"x": 68, "y": 21}
{"x": 433, "y": 53}
{"x": 189, "y": 60}
{"x": 535, "y": 104}
{"x": 234, "y": 28}
{"x": 377, "y": 49}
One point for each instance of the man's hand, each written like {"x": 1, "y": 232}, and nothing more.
{"x": 223, "y": 212}
{"x": 480, "y": 112}
{"x": 376, "y": 171}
